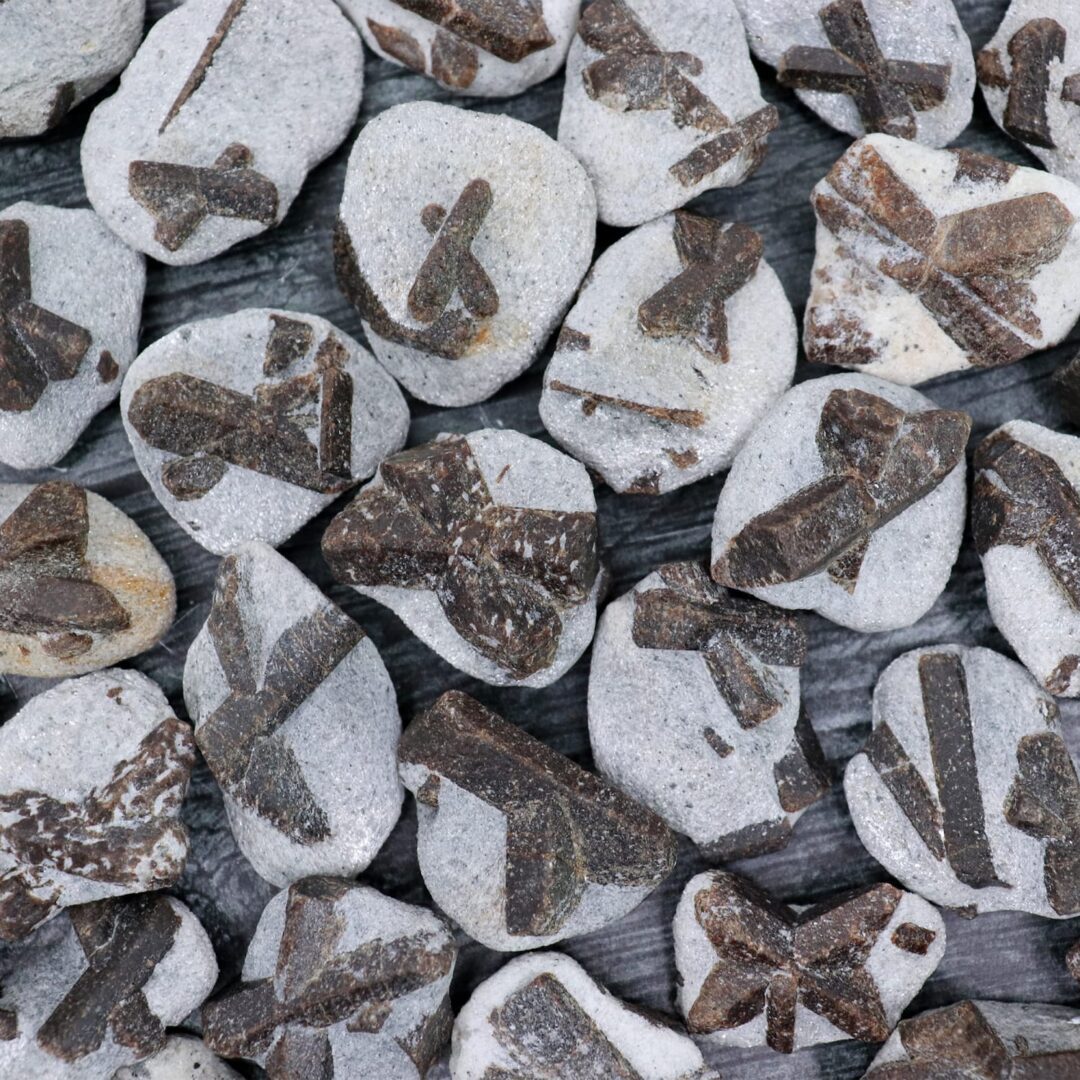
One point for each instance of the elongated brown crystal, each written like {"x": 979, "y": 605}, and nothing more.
{"x": 508, "y": 29}
{"x": 1032, "y": 49}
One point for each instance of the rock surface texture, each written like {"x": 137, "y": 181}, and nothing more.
{"x": 297, "y": 719}
{"x": 181, "y": 1058}
{"x": 965, "y": 790}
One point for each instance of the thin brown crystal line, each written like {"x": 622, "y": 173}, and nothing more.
{"x": 591, "y": 400}
{"x": 1032, "y": 50}
{"x": 202, "y": 66}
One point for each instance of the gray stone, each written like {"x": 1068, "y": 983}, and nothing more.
{"x": 476, "y": 48}
{"x": 55, "y": 55}
{"x": 246, "y": 426}
{"x": 455, "y": 311}
{"x": 541, "y": 1017}
{"x": 965, "y": 791}
{"x": 662, "y": 368}
{"x": 81, "y": 586}
{"x": 389, "y": 965}
{"x": 826, "y": 49}
{"x": 297, "y": 719}
{"x": 94, "y": 990}
{"x": 183, "y": 1057}
{"x": 69, "y": 282}
{"x": 223, "y": 111}
{"x": 661, "y": 104}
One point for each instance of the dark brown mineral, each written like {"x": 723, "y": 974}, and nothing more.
{"x": 770, "y": 959}
{"x": 181, "y": 197}
{"x": 240, "y": 739}
{"x": 565, "y": 827}
{"x": 508, "y": 29}
{"x": 886, "y": 92}
{"x": 124, "y": 940}
{"x": 36, "y": 346}
{"x": 878, "y": 460}
{"x": 319, "y": 983}
{"x": 971, "y": 270}
{"x": 636, "y": 74}
{"x": 503, "y": 575}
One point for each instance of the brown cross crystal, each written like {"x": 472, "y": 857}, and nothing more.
{"x": 565, "y": 827}
{"x": 970, "y": 270}
{"x": 181, "y": 197}
{"x": 241, "y": 738}
{"x": 318, "y": 983}
{"x": 124, "y": 940}
{"x": 770, "y": 959}
{"x": 45, "y": 583}
{"x": 112, "y": 836}
{"x": 878, "y": 460}
{"x": 636, "y": 74}
{"x": 887, "y": 93}
{"x": 36, "y": 346}
{"x": 502, "y": 574}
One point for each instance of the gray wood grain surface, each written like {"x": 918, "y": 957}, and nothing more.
{"x": 1005, "y": 956}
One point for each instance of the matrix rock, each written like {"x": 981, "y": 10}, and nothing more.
{"x": 181, "y": 1058}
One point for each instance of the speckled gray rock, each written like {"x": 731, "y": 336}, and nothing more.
{"x": 894, "y": 66}
{"x": 486, "y": 546}
{"x": 661, "y": 104}
{"x": 541, "y": 1017}
{"x": 931, "y": 261}
{"x": 52, "y": 56}
{"x": 70, "y": 305}
{"x": 847, "y": 499}
{"x": 1029, "y": 72}
{"x": 183, "y": 1057}
{"x": 220, "y": 116}
{"x": 755, "y": 972}
{"x": 694, "y": 711}
{"x": 81, "y": 586}
{"x": 339, "y": 981}
{"x": 1026, "y": 523}
{"x": 965, "y": 790}
{"x": 517, "y": 844}
{"x": 462, "y": 239}
{"x": 94, "y": 990}
{"x": 246, "y": 426}
{"x": 297, "y": 719}
{"x": 992, "y": 1040}
{"x": 92, "y": 776}
{"x": 474, "y": 47}
{"x": 661, "y": 369}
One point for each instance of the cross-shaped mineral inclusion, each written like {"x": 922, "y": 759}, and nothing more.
{"x": 36, "y": 346}
{"x": 636, "y": 73}
{"x": 887, "y": 93}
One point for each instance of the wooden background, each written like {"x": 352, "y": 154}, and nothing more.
{"x": 1005, "y": 956}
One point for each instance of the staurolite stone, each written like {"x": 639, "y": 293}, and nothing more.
{"x": 661, "y": 370}
{"x": 931, "y": 261}
{"x": 694, "y": 711}
{"x": 517, "y": 844}
{"x": 482, "y": 48}
{"x": 220, "y": 116}
{"x": 247, "y": 426}
{"x": 70, "y": 305}
{"x": 661, "y": 104}
{"x": 1030, "y": 77}
{"x": 965, "y": 790}
{"x": 864, "y": 66}
{"x": 92, "y": 776}
{"x": 983, "y": 1040}
{"x": 754, "y": 971}
{"x": 847, "y": 499}
{"x": 339, "y": 982}
{"x": 95, "y": 990}
{"x": 55, "y": 55}
{"x": 541, "y": 1017}
{"x": 462, "y": 240}
{"x": 486, "y": 547}
{"x": 181, "y": 1058}
{"x": 1026, "y": 524}
{"x": 81, "y": 587}
{"x": 297, "y": 719}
